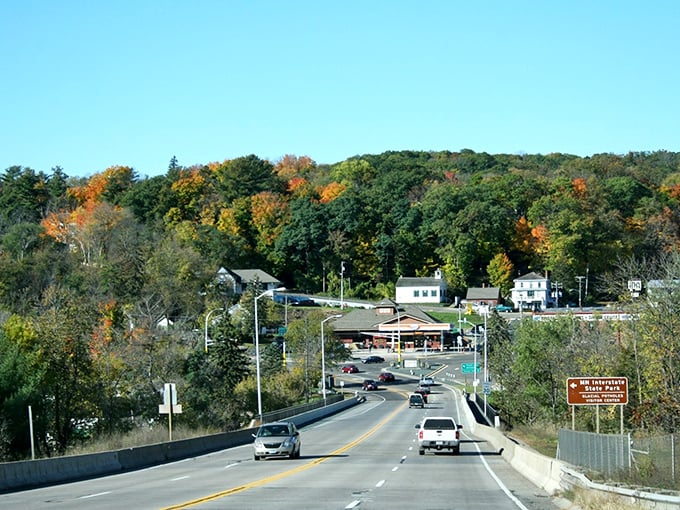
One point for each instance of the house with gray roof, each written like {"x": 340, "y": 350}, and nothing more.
{"x": 237, "y": 280}
{"x": 421, "y": 290}
{"x": 482, "y": 296}
{"x": 531, "y": 291}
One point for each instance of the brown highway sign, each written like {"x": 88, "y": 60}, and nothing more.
{"x": 584, "y": 391}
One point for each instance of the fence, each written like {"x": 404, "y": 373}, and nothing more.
{"x": 657, "y": 456}
{"x": 608, "y": 454}
{"x": 649, "y": 460}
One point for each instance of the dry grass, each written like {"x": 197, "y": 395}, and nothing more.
{"x": 138, "y": 437}
{"x": 543, "y": 439}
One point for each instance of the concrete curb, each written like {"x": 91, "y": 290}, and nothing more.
{"x": 35, "y": 473}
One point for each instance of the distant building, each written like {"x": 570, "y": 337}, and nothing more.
{"x": 421, "y": 290}
{"x": 482, "y": 297}
{"x": 237, "y": 280}
{"x": 388, "y": 325}
{"x": 531, "y": 291}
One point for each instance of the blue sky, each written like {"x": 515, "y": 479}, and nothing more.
{"x": 86, "y": 84}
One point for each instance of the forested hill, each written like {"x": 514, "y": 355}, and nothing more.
{"x": 483, "y": 219}
{"x": 90, "y": 267}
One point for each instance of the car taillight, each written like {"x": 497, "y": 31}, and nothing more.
{"x": 457, "y": 434}
{"x": 420, "y": 434}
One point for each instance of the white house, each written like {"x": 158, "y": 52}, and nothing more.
{"x": 421, "y": 290}
{"x": 532, "y": 291}
{"x": 237, "y": 280}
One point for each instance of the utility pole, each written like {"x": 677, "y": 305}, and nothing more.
{"x": 580, "y": 282}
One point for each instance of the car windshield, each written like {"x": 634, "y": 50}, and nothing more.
{"x": 274, "y": 430}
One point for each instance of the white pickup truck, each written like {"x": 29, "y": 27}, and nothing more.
{"x": 438, "y": 433}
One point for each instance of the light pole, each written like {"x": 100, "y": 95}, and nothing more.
{"x": 342, "y": 284}
{"x": 398, "y": 337}
{"x": 257, "y": 351}
{"x": 486, "y": 366}
{"x": 474, "y": 381}
{"x": 205, "y": 330}
{"x": 323, "y": 356}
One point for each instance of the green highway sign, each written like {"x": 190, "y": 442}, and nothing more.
{"x": 469, "y": 368}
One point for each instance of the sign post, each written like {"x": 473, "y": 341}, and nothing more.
{"x": 597, "y": 391}
{"x": 170, "y": 405}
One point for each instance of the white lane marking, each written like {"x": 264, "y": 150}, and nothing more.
{"x": 95, "y": 495}
{"x": 179, "y": 478}
{"x": 230, "y": 465}
{"x": 395, "y": 468}
{"x": 354, "y": 504}
{"x": 502, "y": 486}
{"x": 380, "y": 483}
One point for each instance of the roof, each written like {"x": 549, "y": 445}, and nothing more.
{"x": 483, "y": 293}
{"x": 410, "y": 281}
{"x": 251, "y": 275}
{"x": 532, "y": 276}
{"x": 368, "y": 319}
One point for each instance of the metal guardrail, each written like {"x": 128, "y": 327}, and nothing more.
{"x": 287, "y": 412}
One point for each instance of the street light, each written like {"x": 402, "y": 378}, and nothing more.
{"x": 257, "y": 351}
{"x": 206, "y": 325}
{"x": 486, "y": 367}
{"x": 323, "y": 356}
{"x": 460, "y": 329}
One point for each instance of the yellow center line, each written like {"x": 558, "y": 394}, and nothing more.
{"x": 290, "y": 472}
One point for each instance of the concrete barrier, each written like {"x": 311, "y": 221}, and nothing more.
{"x": 34, "y": 473}
{"x": 556, "y": 476}
{"x": 31, "y": 473}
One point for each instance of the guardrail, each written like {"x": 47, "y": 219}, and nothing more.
{"x": 34, "y": 473}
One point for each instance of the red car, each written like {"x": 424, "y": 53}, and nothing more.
{"x": 386, "y": 377}
{"x": 350, "y": 369}
{"x": 370, "y": 385}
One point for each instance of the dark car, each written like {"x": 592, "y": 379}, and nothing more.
{"x": 386, "y": 377}
{"x": 278, "y": 439}
{"x": 374, "y": 359}
{"x": 305, "y": 302}
{"x": 350, "y": 369}
{"x": 370, "y": 385}
{"x": 416, "y": 400}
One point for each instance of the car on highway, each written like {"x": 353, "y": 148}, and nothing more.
{"x": 277, "y": 439}
{"x": 350, "y": 369}
{"x": 416, "y": 400}
{"x": 427, "y": 381}
{"x": 438, "y": 433}
{"x": 423, "y": 389}
{"x": 386, "y": 377}
{"x": 370, "y": 385}
{"x": 373, "y": 359}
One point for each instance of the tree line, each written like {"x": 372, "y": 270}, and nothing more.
{"x": 90, "y": 266}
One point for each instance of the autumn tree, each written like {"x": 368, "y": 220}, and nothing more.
{"x": 501, "y": 273}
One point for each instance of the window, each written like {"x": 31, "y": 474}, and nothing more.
{"x": 416, "y": 293}
{"x": 433, "y": 293}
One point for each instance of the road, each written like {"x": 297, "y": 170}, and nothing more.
{"x": 363, "y": 458}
